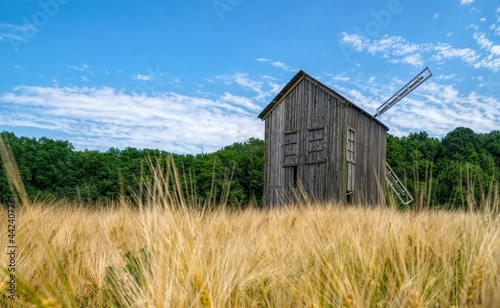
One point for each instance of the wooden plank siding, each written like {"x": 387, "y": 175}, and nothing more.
{"x": 320, "y": 118}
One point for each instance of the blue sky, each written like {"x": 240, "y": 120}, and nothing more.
{"x": 192, "y": 76}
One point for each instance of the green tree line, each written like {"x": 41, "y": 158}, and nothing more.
{"x": 460, "y": 168}
{"x": 444, "y": 173}
{"x": 52, "y": 168}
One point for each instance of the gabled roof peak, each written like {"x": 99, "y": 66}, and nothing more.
{"x": 294, "y": 81}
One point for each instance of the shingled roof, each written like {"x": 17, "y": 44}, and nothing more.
{"x": 279, "y": 98}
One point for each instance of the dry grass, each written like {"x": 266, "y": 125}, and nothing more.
{"x": 317, "y": 255}
{"x": 164, "y": 253}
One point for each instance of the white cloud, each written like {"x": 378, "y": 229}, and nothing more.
{"x": 472, "y": 26}
{"x": 433, "y": 107}
{"x": 16, "y": 32}
{"x": 482, "y": 19}
{"x": 239, "y": 100}
{"x": 341, "y": 78}
{"x": 482, "y": 40}
{"x": 446, "y": 77}
{"x": 82, "y": 68}
{"x": 243, "y": 80}
{"x": 396, "y": 49}
{"x": 491, "y": 60}
{"x": 436, "y": 15}
{"x": 497, "y": 29}
{"x": 475, "y": 10}
{"x": 275, "y": 88}
{"x": 279, "y": 64}
{"x": 12, "y": 36}
{"x": 268, "y": 77}
{"x": 466, "y": 2}
{"x": 285, "y": 67}
{"x": 449, "y": 34}
{"x": 415, "y": 60}
{"x": 100, "y": 118}
{"x": 142, "y": 77}
{"x": 17, "y": 28}
{"x": 446, "y": 51}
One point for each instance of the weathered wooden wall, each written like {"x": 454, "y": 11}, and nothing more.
{"x": 310, "y": 108}
{"x": 371, "y": 141}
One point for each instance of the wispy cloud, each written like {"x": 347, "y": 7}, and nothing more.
{"x": 495, "y": 29}
{"x": 285, "y": 67}
{"x": 482, "y": 41}
{"x": 443, "y": 108}
{"x": 414, "y": 59}
{"x": 398, "y": 50}
{"x": 335, "y": 77}
{"x": 104, "y": 117}
{"x": 142, "y": 77}
{"x": 436, "y": 15}
{"x": 466, "y": 2}
{"x": 447, "y": 51}
{"x": 279, "y": 64}
{"x": 446, "y": 77}
{"x": 475, "y": 10}
{"x": 16, "y": 32}
{"x": 12, "y": 36}
{"x": 82, "y": 68}
{"x": 472, "y": 26}
{"x": 390, "y": 47}
{"x": 243, "y": 80}
{"x": 275, "y": 87}
{"x": 490, "y": 49}
{"x": 17, "y": 28}
{"x": 435, "y": 108}
{"x": 240, "y": 101}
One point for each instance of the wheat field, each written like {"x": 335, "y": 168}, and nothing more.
{"x": 167, "y": 250}
{"x": 315, "y": 255}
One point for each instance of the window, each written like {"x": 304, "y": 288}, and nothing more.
{"x": 351, "y": 145}
{"x": 316, "y": 147}
{"x": 291, "y": 149}
{"x": 351, "y": 158}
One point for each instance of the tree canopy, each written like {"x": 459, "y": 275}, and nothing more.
{"x": 437, "y": 172}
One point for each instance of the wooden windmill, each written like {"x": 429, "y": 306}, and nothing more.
{"x": 320, "y": 144}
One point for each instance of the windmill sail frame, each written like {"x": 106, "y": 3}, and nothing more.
{"x": 404, "y": 91}
{"x": 397, "y": 186}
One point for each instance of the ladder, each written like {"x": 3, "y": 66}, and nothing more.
{"x": 397, "y": 186}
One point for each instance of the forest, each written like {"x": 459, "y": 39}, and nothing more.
{"x": 440, "y": 173}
